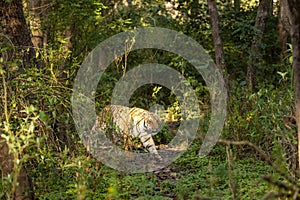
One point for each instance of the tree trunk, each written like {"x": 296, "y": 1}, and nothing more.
{"x": 295, "y": 39}
{"x": 16, "y": 33}
{"x": 13, "y": 25}
{"x": 291, "y": 20}
{"x": 282, "y": 35}
{"x": 237, "y": 5}
{"x": 38, "y": 10}
{"x": 218, "y": 44}
{"x": 255, "y": 52}
{"x": 24, "y": 189}
{"x": 296, "y": 68}
{"x": 282, "y": 32}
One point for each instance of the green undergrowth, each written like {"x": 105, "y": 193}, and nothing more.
{"x": 66, "y": 176}
{"x": 61, "y": 168}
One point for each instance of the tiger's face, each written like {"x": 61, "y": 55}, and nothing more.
{"x": 151, "y": 123}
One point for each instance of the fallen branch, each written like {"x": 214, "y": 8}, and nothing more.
{"x": 263, "y": 155}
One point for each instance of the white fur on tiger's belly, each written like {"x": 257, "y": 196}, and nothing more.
{"x": 132, "y": 122}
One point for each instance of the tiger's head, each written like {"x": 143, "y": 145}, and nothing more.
{"x": 151, "y": 123}
{"x": 145, "y": 122}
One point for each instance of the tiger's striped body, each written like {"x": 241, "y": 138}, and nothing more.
{"x": 129, "y": 123}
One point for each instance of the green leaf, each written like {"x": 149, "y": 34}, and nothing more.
{"x": 43, "y": 116}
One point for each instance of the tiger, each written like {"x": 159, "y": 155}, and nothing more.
{"x": 129, "y": 123}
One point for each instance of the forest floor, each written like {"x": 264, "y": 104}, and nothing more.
{"x": 219, "y": 175}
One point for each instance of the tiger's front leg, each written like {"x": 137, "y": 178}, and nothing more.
{"x": 149, "y": 144}
{"x": 127, "y": 142}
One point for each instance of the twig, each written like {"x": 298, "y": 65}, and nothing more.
{"x": 231, "y": 183}
{"x": 5, "y": 98}
{"x": 278, "y": 183}
{"x": 273, "y": 195}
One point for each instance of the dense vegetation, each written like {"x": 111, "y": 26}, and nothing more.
{"x": 256, "y": 158}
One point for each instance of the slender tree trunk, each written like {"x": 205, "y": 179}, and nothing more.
{"x": 255, "y": 52}
{"x": 291, "y": 20}
{"x": 218, "y": 44}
